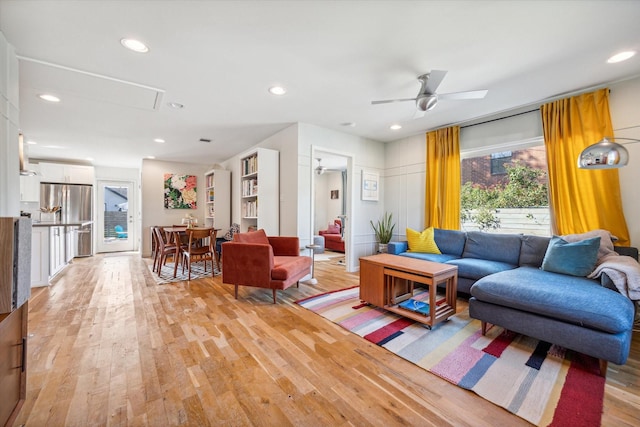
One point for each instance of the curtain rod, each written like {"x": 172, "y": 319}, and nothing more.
{"x": 500, "y": 118}
{"x": 541, "y": 102}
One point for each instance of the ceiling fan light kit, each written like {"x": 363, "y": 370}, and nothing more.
{"x": 427, "y": 97}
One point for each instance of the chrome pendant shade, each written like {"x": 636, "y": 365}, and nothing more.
{"x": 605, "y": 154}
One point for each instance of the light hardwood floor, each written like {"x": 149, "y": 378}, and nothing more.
{"x": 108, "y": 346}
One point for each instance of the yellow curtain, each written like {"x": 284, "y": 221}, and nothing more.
{"x": 442, "y": 194}
{"x": 581, "y": 200}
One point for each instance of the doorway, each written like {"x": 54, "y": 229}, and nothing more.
{"x": 115, "y": 231}
{"x": 331, "y": 198}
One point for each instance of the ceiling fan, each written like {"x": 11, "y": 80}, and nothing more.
{"x": 322, "y": 169}
{"x": 427, "y": 98}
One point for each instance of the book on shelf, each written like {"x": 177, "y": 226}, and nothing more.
{"x": 249, "y": 165}
{"x": 249, "y": 187}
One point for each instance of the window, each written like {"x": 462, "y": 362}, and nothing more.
{"x": 498, "y": 161}
{"x": 506, "y": 191}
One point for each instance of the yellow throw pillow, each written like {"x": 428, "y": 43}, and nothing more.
{"x": 422, "y": 242}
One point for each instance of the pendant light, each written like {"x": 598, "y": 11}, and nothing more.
{"x": 605, "y": 154}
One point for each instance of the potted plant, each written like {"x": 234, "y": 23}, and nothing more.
{"x": 384, "y": 231}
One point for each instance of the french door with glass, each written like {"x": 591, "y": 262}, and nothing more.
{"x": 115, "y": 208}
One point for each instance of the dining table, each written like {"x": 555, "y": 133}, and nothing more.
{"x": 175, "y": 233}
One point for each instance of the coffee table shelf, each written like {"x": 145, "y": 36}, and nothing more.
{"x": 387, "y": 280}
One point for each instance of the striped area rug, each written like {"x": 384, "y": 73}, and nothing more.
{"x": 541, "y": 383}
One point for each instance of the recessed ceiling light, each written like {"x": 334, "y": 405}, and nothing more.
{"x": 175, "y": 105}
{"x": 134, "y": 45}
{"x": 277, "y": 90}
{"x": 89, "y": 159}
{"x": 348, "y": 124}
{"x": 151, "y": 157}
{"x": 55, "y": 147}
{"x": 159, "y": 140}
{"x": 31, "y": 142}
{"x": 49, "y": 97}
{"x": 622, "y": 56}
{"x": 395, "y": 127}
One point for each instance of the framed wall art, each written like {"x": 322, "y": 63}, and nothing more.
{"x": 370, "y": 185}
{"x": 180, "y": 191}
{"x": 335, "y": 194}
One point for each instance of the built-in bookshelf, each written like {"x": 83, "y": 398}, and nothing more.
{"x": 218, "y": 199}
{"x": 259, "y": 187}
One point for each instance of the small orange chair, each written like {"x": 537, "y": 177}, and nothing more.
{"x": 333, "y": 240}
{"x": 253, "y": 259}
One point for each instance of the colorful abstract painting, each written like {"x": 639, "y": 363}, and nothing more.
{"x": 180, "y": 191}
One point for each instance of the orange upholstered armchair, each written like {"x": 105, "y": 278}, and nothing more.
{"x": 254, "y": 259}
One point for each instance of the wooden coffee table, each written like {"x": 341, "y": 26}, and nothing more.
{"x": 387, "y": 280}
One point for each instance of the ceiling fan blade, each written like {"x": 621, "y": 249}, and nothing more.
{"x": 389, "y": 101}
{"x": 473, "y": 94}
{"x": 418, "y": 114}
{"x": 434, "y": 78}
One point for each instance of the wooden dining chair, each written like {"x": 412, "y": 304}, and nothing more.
{"x": 164, "y": 248}
{"x": 154, "y": 247}
{"x": 197, "y": 251}
{"x": 184, "y": 239}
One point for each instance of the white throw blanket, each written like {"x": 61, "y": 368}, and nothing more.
{"x": 624, "y": 272}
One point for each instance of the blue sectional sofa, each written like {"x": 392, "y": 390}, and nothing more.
{"x": 502, "y": 274}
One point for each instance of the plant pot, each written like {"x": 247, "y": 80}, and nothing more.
{"x": 382, "y": 248}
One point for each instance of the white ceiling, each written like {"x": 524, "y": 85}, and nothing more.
{"x": 218, "y": 58}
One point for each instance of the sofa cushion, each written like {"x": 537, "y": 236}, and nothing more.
{"x": 450, "y": 241}
{"x": 495, "y": 247}
{"x": 422, "y": 242}
{"x": 533, "y": 249}
{"x": 473, "y": 268}
{"x": 429, "y": 257}
{"x": 572, "y": 299}
{"x": 577, "y": 258}
{"x": 333, "y": 229}
{"x": 285, "y": 267}
{"x": 258, "y": 236}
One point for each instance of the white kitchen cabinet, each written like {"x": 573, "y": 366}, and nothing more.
{"x": 68, "y": 246}
{"x": 51, "y": 251}
{"x": 56, "y": 250}
{"x": 72, "y": 174}
{"x": 39, "y": 256}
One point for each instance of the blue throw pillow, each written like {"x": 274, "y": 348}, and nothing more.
{"x": 576, "y": 259}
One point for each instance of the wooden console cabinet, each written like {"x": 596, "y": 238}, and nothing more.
{"x": 15, "y": 290}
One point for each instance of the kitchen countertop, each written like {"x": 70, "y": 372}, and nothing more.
{"x": 36, "y": 223}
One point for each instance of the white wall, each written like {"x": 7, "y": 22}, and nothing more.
{"x": 285, "y": 142}
{"x": 152, "y": 190}
{"x": 623, "y": 104}
{"x": 405, "y": 174}
{"x": 368, "y": 155}
{"x": 295, "y": 146}
{"x": 9, "y": 125}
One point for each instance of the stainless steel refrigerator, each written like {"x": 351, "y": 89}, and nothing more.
{"x": 76, "y": 208}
